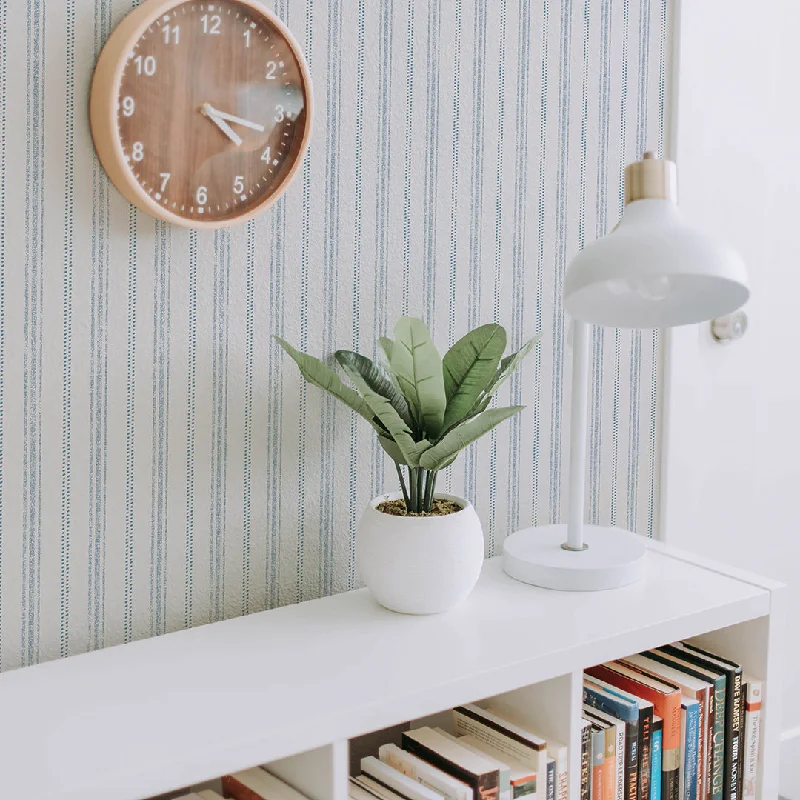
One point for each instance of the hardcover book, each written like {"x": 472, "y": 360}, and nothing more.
{"x": 444, "y": 754}
{"x": 752, "y": 735}
{"x": 716, "y": 714}
{"x": 690, "y": 729}
{"x": 258, "y": 784}
{"x": 616, "y": 729}
{"x": 655, "y": 760}
{"x": 666, "y": 700}
{"x": 521, "y": 778}
{"x": 598, "y": 762}
{"x": 393, "y": 779}
{"x": 691, "y": 687}
{"x": 423, "y": 772}
{"x": 586, "y": 759}
{"x": 604, "y": 699}
{"x": 734, "y": 717}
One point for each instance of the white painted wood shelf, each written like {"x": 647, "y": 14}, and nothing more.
{"x": 292, "y": 686}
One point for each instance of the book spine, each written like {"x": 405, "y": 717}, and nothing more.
{"x": 691, "y": 751}
{"x": 645, "y": 733}
{"x": 598, "y": 763}
{"x": 655, "y": 763}
{"x": 559, "y": 753}
{"x": 668, "y": 707}
{"x": 586, "y": 762}
{"x": 610, "y": 776}
{"x": 551, "y": 780}
{"x": 718, "y": 776}
{"x": 704, "y": 748}
{"x": 485, "y": 787}
{"x": 742, "y": 738}
{"x": 619, "y": 781}
{"x": 752, "y": 726}
{"x": 734, "y": 728}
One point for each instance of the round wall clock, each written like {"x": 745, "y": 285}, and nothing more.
{"x": 201, "y": 111}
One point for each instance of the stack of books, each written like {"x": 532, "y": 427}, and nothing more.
{"x": 675, "y": 723}
{"x": 249, "y": 784}
{"x": 488, "y": 757}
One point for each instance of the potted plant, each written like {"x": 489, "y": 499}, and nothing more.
{"x": 420, "y": 552}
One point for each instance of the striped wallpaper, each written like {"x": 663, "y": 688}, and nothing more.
{"x": 161, "y": 464}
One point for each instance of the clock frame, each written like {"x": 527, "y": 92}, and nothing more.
{"x": 106, "y": 108}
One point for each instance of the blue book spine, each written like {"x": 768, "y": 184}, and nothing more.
{"x": 655, "y": 765}
{"x": 692, "y": 745}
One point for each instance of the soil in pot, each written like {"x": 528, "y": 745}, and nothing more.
{"x": 397, "y": 508}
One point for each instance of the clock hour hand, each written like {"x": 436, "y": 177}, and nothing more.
{"x": 208, "y": 111}
{"x": 245, "y": 123}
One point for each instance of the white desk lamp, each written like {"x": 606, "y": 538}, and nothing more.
{"x": 652, "y": 271}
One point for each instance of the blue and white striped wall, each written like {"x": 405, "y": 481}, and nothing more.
{"x": 161, "y": 465}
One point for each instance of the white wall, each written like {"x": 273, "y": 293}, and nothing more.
{"x": 733, "y": 474}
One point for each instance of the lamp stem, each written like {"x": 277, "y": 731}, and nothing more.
{"x": 579, "y": 413}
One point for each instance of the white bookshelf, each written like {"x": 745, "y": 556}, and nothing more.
{"x": 293, "y": 687}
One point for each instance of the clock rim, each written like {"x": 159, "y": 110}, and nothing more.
{"x": 103, "y": 110}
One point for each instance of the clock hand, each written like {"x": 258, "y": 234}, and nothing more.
{"x": 245, "y": 123}
{"x": 208, "y": 111}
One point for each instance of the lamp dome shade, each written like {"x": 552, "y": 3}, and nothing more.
{"x": 654, "y": 271}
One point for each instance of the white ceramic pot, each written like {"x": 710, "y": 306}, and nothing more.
{"x": 419, "y": 565}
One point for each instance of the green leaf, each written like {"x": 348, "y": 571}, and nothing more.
{"x": 398, "y": 430}
{"x": 438, "y": 456}
{"x": 469, "y": 367}
{"x": 417, "y": 365}
{"x": 394, "y": 452}
{"x": 385, "y": 344}
{"x": 317, "y": 373}
{"x": 508, "y": 366}
{"x": 375, "y": 377}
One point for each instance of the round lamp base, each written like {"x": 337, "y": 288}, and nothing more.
{"x": 613, "y": 558}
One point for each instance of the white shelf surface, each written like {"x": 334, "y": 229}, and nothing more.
{"x": 133, "y": 721}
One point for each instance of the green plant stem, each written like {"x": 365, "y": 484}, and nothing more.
{"x": 402, "y": 483}
{"x": 430, "y": 488}
{"x": 411, "y": 508}
{"x": 420, "y": 490}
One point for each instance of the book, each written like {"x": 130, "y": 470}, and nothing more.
{"x": 395, "y": 780}
{"x": 503, "y": 770}
{"x": 522, "y": 778}
{"x": 692, "y": 687}
{"x": 733, "y": 710}
{"x": 604, "y": 699}
{"x": 586, "y": 759}
{"x": 376, "y": 789}
{"x": 752, "y": 735}
{"x": 642, "y": 766}
{"x": 507, "y": 735}
{"x": 559, "y": 752}
{"x": 655, "y": 758}
{"x": 356, "y": 790}
{"x": 690, "y": 732}
{"x": 666, "y": 700}
{"x": 598, "y": 747}
{"x": 715, "y": 782}
{"x": 551, "y": 779}
{"x": 424, "y": 773}
{"x": 258, "y": 784}
{"x": 474, "y": 770}
{"x": 617, "y": 728}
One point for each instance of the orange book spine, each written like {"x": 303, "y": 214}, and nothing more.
{"x": 667, "y": 706}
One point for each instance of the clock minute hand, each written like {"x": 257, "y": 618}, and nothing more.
{"x": 245, "y": 123}
{"x": 209, "y": 112}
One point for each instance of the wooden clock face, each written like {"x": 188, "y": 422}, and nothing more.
{"x": 212, "y": 110}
